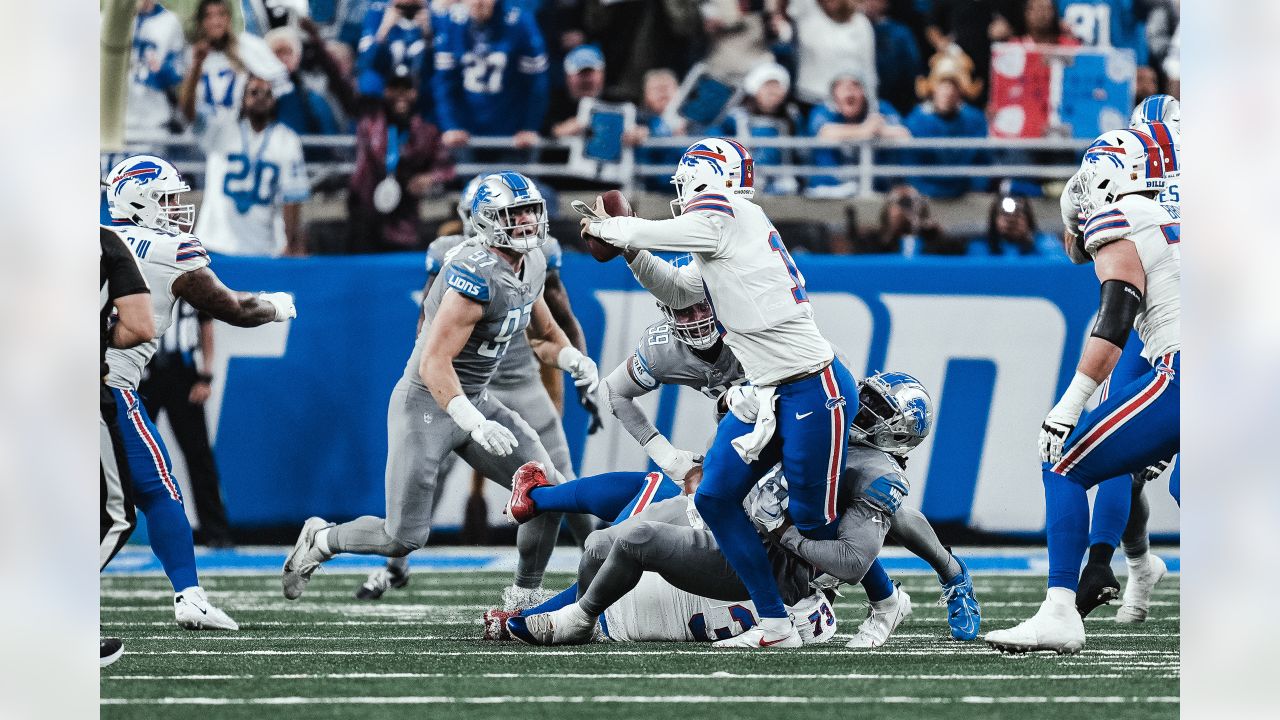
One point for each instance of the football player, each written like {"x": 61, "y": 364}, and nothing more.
{"x": 686, "y": 348}
{"x": 143, "y": 195}
{"x": 491, "y": 290}
{"x": 796, "y": 410}
{"x": 1120, "y": 509}
{"x": 1134, "y": 244}
{"x": 669, "y": 538}
{"x": 516, "y": 383}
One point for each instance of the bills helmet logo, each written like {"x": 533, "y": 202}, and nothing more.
{"x": 141, "y": 173}
{"x": 701, "y": 153}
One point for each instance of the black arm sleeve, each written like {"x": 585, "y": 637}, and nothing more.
{"x": 119, "y": 269}
{"x": 1116, "y": 311}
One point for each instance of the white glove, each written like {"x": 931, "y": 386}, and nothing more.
{"x": 675, "y": 463}
{"x": 1063, "y": 417}
{"x": 580, "y": 367}
{"x": 282, "y": 302}
{"x": 768, "y": 507}
{"x": 493, "y": 437}
{"x": 743, "y": 403}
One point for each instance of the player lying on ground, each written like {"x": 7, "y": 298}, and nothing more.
{"x": 687, "y": 349}
{"x": 144, "y": 207}
{"x": 1134, "y": 244}
{"x": 516, "y": 383}
{"x": 1120, "y": 508}
{"x": 805, "y": 395}
{"x": 669, "y": 539}
{"x": 491, "y": 291}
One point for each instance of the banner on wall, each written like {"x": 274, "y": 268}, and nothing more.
{"x": 298, "y": 412}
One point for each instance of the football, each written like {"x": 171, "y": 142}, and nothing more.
{"x": 615, "y": 204}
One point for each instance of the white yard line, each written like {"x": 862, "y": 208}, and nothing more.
{"x": 620, "y": 676}
{"x": 647, "y": 699}
{"x": 957, "y": 650}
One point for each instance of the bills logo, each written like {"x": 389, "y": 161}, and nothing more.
{"x": 835, "y": 402}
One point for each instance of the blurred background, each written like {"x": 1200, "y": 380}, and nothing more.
{"x": 910, "y": 152}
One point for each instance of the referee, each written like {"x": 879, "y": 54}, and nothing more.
{"x": 120, "y": 285}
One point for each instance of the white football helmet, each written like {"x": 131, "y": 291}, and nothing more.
{"x": 694, "y": 326}
{"x": 464, "y": 202}
{"x": 895, "y": 413}
{"x": 1118, "y": 163}
{"x": 146, "y": 191}
{"x": 499, "y": 203}
{"x": 714, "y": 165}
{"x": 1158, "y": 108}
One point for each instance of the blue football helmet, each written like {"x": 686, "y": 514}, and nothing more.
{"x": 1158, "y": 108}
{"x": 895, "y": 413}
{"x": 509, "y": 212}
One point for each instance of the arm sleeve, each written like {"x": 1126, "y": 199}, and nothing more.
{"x": 123, "y": 276}
{"x": 678, "y": 287}
{"x": 691, "y": 232}
{"x": 533, "y": 66}
{"x": 621, "y": 389}
{"x": 856, "y": 546}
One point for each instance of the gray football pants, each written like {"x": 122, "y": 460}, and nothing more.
{"x": 420, "y": 436}
{"x": 662, "y": 539}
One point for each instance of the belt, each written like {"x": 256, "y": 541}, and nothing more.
{"x": 803, "y": 376}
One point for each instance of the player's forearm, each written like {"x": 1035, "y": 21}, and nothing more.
{"x": 1098, "y": 359}
{"x": 841, "y": 557}
{"x": 134, "y": 324}
{"x": 669, "y": 284}
{"x": 688, "y": 233}
{"x": 620, "y": 393}
{"x": 547, "y": 346}
{"x": 441, "y": 379}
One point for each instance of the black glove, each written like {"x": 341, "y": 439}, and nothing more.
{"x": 588, "y": 403}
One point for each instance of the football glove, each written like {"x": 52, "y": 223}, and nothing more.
{"x": 588, "y": 402}
{"x": 282, "y": 302}
{"x": 1155, "y": 470}
{"x": 675, "y": 463}
{"x": 743, "y": 403}
{"x": 1053, "y": 433}
{"x": 581, "y": 368}
{"x": 488, "y": 434}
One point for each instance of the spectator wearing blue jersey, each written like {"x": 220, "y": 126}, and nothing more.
{"x": 1110, "y": 23}
{"x": 850, "y": 115}
{"x": 302, "y": 109}
{"x": 396, "y": 35}
{"x": 491, "y": 75}
{"x": 945, "y": 114}
{"x": 898, "y": 61}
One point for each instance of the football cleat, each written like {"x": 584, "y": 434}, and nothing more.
{"x": 193, "y": 611}
{"x": 520, "y": 507}
{"x": 964, "y": 615}
{"x": 302, "y": 562}
{"x": 515, "y": 599}
{"x": 758, "y": 638}
{"x": 1144, "y": 573}
{"x": 1098, "y": 586}
{"x": 1055, "y": 626}
{"x": 883, "y": 618}
{"x": 495, "y": 624}
{"x": 570, "y": 625}
{"x": 382, "y": 580}
{"x": 109, "y": 651}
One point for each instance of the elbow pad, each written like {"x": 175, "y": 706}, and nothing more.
{"x": 1116, "y": 312}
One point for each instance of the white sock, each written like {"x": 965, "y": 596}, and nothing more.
{"x": 574, "y": 614}
{"x": 322, "y": 543}
{"x": 1141, "y": 562}
{"x": 1062, "y": 596}
{"x": 777, "y": 626}
{"x": 888, "y": 602}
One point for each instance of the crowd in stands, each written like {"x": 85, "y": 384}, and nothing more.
{"x": 416, "y": 80}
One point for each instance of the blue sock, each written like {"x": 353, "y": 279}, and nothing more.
{"x": 1067, "y": 528}
{"x": 170, "y": 536}
{"x": 1111, "y": 511}
{"x": 877, "y": 582}
{"x": 744, "y": 550}
{"x": 601, "y": 495}
{"x": 565, "y": 597}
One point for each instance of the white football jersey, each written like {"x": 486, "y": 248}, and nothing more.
{"x": 657, "y": 611}
{"x": 156, "y": 59}
{"x": 746, "y": 272}
{"x": 1156, "y": 232}
{"x": 249, "y": 177}
{"x": 162, "y": 257}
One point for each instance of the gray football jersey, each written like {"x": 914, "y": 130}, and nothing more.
{"x": 661, "y": 359}
{"x": 518, "y": 365}
{"x": 479, "y": 274}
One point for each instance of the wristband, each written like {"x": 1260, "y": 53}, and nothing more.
{"x": 1078, "y": 393}
{"x": 568, "y": 358}
{"x": 464, "y": 413}
{"x": 204, "y": 377}
{"x": 660, "y": 450}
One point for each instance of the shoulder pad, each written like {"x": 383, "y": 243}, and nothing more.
{"x": 1105, "y": 226}
{"x": 438, "y": 250}
{"x": 710, "y": 203}
{"x": 467, "y": 282}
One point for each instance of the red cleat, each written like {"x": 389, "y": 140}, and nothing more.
{"x": 495, "y": 624}
{"x": 520, "y": 507}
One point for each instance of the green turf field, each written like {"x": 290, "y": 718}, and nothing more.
{"x": 416, "y": 651}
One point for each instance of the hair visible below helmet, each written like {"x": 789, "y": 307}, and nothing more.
{"x": 1158, "y": 108}
{"x": 713, "y": 165}
{"x": 895, "y": 413}
{"x": 694, "y": 326}
{"x": 499, "y": 201}
{"x": 145, "y": 190}
{"x": 464, "y": 202}
{"x": 1118, "y": 163}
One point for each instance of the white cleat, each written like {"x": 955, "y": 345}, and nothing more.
{"x": 758, "y": 638}
{"x": 302, "y": 562}
{"x": 192, "y": 609}
{"x": 570, "y": 625}
{"x": 1144, "y": 573}
{"x": 883, "y": 618}
{"x": 1055, "y": 626}
{"x": 515, "y": 599}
